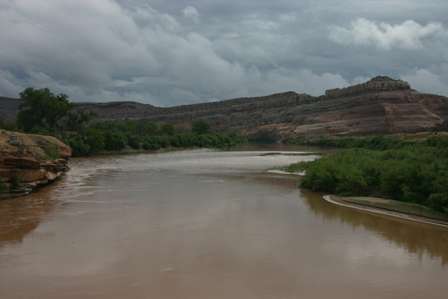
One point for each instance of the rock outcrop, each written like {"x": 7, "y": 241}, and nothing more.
{"x": 29, "y": 161}
{"x": 377, "y": 84}
{"x": 379, "y": 106}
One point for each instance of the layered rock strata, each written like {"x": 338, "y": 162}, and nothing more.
{"x": 379, "y": 106}
{"x": 29, "y": 161}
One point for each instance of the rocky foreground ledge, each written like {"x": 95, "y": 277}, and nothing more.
{"x": 29, "y": 161}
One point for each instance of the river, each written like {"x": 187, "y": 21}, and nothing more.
{"x": 207, "y": 224}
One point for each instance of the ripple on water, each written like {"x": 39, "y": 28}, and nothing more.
{"x": 206, "y": 224}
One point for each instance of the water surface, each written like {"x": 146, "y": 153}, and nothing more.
{"x": 206, "y": 224}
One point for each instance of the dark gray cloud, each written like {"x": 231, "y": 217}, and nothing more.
{"x": 171, "y": 52}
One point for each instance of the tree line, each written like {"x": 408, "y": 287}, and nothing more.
{"x": 43, "y": 112}
{"x": 411, "y": 171}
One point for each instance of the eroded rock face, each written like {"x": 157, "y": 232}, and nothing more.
{"x": 377, "y": 84}
{"x": 379, "y": 106}
{"x": 28, "y": 161}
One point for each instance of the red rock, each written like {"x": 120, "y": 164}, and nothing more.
{"x": 21, "y": 162}
{"x": 27, "y": 161}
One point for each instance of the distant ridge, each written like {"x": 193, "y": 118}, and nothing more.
{"x": 381, "y": 105}
{"x": 9, "y": 108}
{"x": 380, "y": 83}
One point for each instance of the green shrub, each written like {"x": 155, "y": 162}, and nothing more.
{"x": 78, "y": 145}
{"x": 438, "y": 201}
{"x": 200, "y": 127}
{"x": 95, "y": 140}
{"x": 372, "y": 142}
{"x": 6, "y": 125}
{"x": 151, "y": 143}
{"x": 409, "y": 173}
{"x": 167, "y": 129}
{"x": 264, "y": 137}
{"x": 115, "y": 141}
{"x": 134, "y": 142}
{"x": 52, "y": 152}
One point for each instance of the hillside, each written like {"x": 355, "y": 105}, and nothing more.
{"x": 379, "y": 106}
{"x": 9, "y": 108}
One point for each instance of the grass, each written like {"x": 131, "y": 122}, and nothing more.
{"x": 51, "y": 152}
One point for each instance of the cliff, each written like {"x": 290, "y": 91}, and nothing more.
{"x": 379, "y": 106}
{"x": 29, "y": 161}
{"x": 377, "y": 84}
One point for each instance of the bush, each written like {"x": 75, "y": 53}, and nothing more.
{"x": 79, "y": 146}
{"x": 10, "y": 126}
{"x": 439, "y": 202}
{"x": 95, "y": 139}
{"x": 51, "y": 151}
{"x": 151, "y": 143}
{"x": 265, "y": 137}
{"x": 372, "y": 142}
{"x": 200, "y": 127}
{"x": 409, "y": 173}
{"x": 115, "y": 141}
{"x": 167, "y": 129}
{"x": 134, "y": 142}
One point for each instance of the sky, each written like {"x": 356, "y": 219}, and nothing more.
{"x": 170, "y": 52}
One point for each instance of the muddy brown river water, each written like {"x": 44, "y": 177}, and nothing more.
{"x": 206, "y": 224}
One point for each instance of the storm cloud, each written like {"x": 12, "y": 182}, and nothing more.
{"x": 176, "y": 52}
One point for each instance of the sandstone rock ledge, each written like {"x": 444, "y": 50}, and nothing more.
{"x": 29, "y": 161}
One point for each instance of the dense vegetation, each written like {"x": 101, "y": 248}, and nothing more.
{"x": 411, "y": 171}
{"x": 142, "y": 135}
{"x": 370, "y": 142}
{"x": 7, "y": 125}
{"x": 46, "y": 113}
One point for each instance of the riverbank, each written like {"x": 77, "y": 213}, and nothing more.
{"x": 399, "y": 169}
{"x": 392, "y": 208}
{"x": 29, "y": 161}
{"x": 375, "y": 205}
{"x": 131, "y": 151}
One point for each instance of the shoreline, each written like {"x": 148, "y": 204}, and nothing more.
{"x": 137, "y": 152}
{"x": 385, "y": 212}
{"x": 284, "y": 172}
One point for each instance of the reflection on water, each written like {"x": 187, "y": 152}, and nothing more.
{"x": 415, "y": 238}
{"x": 18, "y": 217}
{"x": 203, "y": 224}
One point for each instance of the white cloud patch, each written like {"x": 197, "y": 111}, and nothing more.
{"x": 107, "y": 49}
{"x": 426, "y": 81}
{"x": 8, "y": 84}
{"x": 408, "y": 35}
{"x": 191, "y": 12}
{"x": 165, "y": 53}
{"x": 107, "y": 52}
